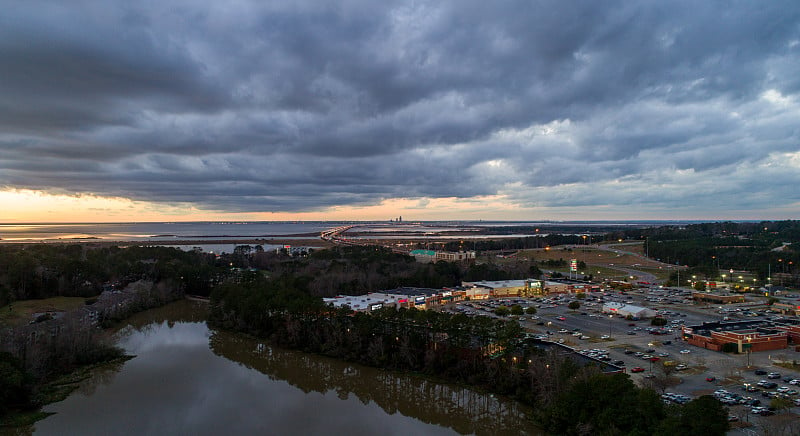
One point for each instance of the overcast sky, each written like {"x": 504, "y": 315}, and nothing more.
{"x": 448, "y": 110}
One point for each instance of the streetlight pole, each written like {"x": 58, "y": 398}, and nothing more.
{"x": 749, "y": 346}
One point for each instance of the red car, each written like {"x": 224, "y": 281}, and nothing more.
{"x": 711, "y": 379}
{"x": 561, "y": 318}
{"x": 637, "y": 369}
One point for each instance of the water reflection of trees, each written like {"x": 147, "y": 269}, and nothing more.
{"x": 185, "y": 311}
{"x": 464, "y": 410}
{"x": 101, "y": 376}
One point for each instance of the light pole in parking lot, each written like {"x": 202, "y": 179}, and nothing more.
{"x": 610, "y": 317}
{"x": 748, "y": 346}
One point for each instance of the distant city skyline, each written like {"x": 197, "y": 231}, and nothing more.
{"x": 431, "y": 110}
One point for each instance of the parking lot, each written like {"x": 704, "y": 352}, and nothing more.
{"x": 691, "y": 371}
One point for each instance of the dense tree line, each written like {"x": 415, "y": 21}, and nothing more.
{"x": 355, "y": 270}
{"x": 33, "y": 271}
{"x": 767, "y": 248}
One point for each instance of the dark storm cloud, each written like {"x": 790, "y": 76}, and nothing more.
{"x": 255, "y": 106}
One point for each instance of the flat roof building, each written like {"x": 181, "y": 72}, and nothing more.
{"x": 447, "y": 256}
{"x": 408, "y": 297}
{"x": 625, "y": 310}
{"x": 745, "y": 335}
{"x": 508, "y": 288}
{"x": 717, "y": 298}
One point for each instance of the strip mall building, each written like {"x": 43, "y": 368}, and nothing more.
{"x": 406, "y": 297}
{"x": 427, "y": 298}
{"x": 530, "y": 287}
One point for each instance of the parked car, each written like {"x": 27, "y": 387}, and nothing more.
{"x": 774, "y": 375}
{"x": 760, "y": 372}
{"x": 711, "y": 379}
{"x": 637, "y": 369}
{"x": 767, "y": 385}
{"x": 685, "y": 351}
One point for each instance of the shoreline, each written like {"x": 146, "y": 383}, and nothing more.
{"x": 277, "y": 240}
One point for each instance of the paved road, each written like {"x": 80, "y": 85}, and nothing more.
{"x": 643, "y": 275}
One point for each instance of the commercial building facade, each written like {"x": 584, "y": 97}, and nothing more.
{"x": 447, "y": 256}
{"x": 746, "y": 335}
{"x": 717, "y": 298}
{"x": 406, "y": 297}
{"x": 508, "y": 288}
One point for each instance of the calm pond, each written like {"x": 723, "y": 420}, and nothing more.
{"x": 189, "y": 379}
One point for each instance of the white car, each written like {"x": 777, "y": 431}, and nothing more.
{"x": 685, "y": 351}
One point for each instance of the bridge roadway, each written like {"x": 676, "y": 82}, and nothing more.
{"x": 335, "y": 236}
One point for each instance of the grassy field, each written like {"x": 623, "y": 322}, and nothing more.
{"x": 600, "y": 263}
{"x": 21, "y": 312}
